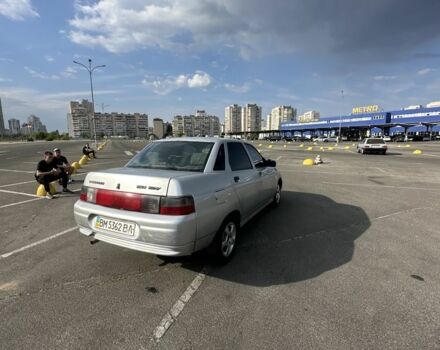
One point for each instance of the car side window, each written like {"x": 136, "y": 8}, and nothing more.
{"x": 255, "y": 155}
{"x": 238, "y": 158}
{"x": 220, "y": 160}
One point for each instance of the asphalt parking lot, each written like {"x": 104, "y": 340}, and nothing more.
{"x": 350, "y": 260}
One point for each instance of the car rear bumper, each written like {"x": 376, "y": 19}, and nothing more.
{"x": 156, "y": 234}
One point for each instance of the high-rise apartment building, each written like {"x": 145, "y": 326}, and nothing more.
{"x": 35, "y": 124}
{"x": 251, "y": 118}
{"x": 196, "y": 125}
{"x": 79, "y": 119}
{"x": 158, "y": 128}
{"x": 80, "y": 122}
{"x": 2, "y": 122}
{"x": 310, "y": 116}
{"x": 281, "y": 114}
{"x": 233, "y": 118}
{"x": 14, "y": 126}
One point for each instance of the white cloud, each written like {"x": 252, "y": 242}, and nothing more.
{"x": 68, "y": 72}
{"x": 49, "y": 58}
{"x": 200, "y": 79}
{"x": 5, "y": 80}
{"x": 40, "y": 75}
{"x": 425, "y": 71}
{"x": 124, "y": 25}
{"x": 17, "y": 10}
{"x": 165, "y": 85}
{"x": 20, "y": 102}
{"x": 62, "y": 31}
{"x": 238, "y": 88}
{"x": 384, "y": 77}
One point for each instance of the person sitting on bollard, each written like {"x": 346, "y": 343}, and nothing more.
{"x": 62, "y": 164}
{"x": 87, "y": 150}
{"x": 48, "y": 172}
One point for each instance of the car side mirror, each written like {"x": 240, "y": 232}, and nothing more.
{"x": 270, "y": 163}
{"x": 261, "y": 164}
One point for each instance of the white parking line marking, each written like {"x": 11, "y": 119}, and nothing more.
{"x": 6, "y": 255}
{"x": 172, "y": 315}
{"x": 431, "y": 155}
{"x": 382, "y": 186}
{"x": 18, "y": 183}
{"x": 22, "y": 202}
{"x": 18, "y": 171}
{"x": 21, "y": 193}
{"x": 128, "y": 153}
{"x": 380, "y": 169}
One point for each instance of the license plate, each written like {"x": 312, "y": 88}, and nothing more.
{"x": 117, "y": 226}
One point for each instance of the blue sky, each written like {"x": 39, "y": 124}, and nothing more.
{"x": 173, "y": 57}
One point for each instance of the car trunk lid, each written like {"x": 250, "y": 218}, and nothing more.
{"x": 134, "y": 180}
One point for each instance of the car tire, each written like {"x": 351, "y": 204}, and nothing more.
{"x": 225, "y": 241}
{"x": 363, "y": 151}
{"x": 384, "y": 152}
{"x": 277, "y": 197}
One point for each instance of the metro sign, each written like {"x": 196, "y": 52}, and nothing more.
{"x": 365, "y": 109}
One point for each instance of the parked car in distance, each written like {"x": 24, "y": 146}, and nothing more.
{"x": 273, "y": 138}
{"x": 386, "y": 138}
{"x": 178, "y": 196}
{"x": 398, "y": 138}
{"x": 372, "y": 145}
{"x": 326, "y": 139}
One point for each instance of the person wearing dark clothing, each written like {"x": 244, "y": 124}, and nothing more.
{"x": 47, "y": 172}
{"x": 87, "y": 151}
{"x": 62, "y": 163}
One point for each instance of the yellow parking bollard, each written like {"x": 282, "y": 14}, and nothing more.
{"x": 308, "y": 162}
{"x": 82, "y": 161}
{"x": 347, "y": 147}
{"x": 417, "y": 151}
{"x": 41, "y": 192}
{"x": 301, "y": 145}
{"x": 270, "y": 146}
{"x": 309, "y": 148}
{"x": 76, "y": 165}
{"x": 407, "y": 146}
{"x": 285, "y": 146}
{"x": 330, "y": 148}
{"x": 259, "y": 145}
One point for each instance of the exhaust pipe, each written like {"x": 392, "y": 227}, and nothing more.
{"x": 94, "y": 241}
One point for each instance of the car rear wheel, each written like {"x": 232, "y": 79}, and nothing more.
{"x": 224, "y": 244}
{"x": 363, "y": 151}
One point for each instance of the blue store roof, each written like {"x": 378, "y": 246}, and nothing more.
{"x": 402, "y": 117}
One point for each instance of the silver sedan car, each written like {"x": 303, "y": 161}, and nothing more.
{"x": 178, "y": 196}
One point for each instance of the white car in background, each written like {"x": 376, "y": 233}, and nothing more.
{"x": 178, "y": 196}
{"x": 372, "y": 145}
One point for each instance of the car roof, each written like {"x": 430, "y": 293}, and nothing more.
{"x": 198, "y": 139}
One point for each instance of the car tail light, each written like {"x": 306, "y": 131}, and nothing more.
{"x": 138, "y": 202}
{"x": 88, "y": 194}
{"x": 177, "y": 205}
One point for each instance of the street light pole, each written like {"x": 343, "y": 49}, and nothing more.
{"x": 340, "y": 118}
{"x": 90, "y": 70}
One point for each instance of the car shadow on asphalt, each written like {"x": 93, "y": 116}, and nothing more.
{"x": 306, "y": 236}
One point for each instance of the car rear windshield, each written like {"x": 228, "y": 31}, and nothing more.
{"x": 374, "y": 141}
{"x": 173, "y": 155}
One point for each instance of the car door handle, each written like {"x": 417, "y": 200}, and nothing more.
{"x": 236, "y": 178}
